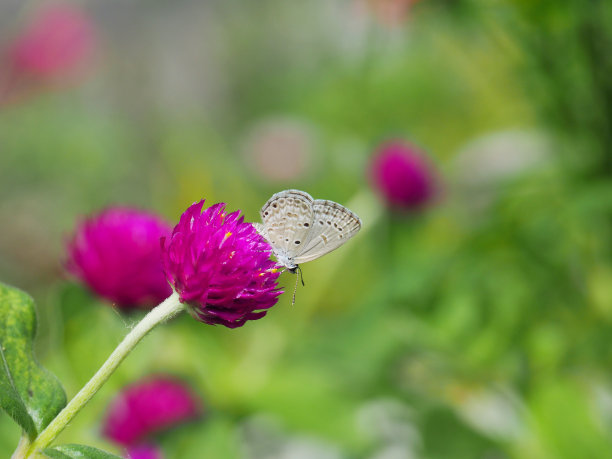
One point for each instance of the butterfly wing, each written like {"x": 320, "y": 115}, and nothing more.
{"x": 259, "y": 228}
{"x": 333, "y": 225}
{"x": 287, "y": 220}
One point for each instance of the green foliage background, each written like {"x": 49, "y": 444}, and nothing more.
{"x": 480, "y": 328}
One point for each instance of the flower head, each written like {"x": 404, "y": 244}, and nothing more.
{"x": 117, "y": 254}
{"x": 220, "y": 266}
{"x": 57, "y": 42}
{"x": 403, "y": 176}
{"x": 148, "y": 407}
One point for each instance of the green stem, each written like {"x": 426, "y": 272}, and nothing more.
{"x": 167, "y": 309}
{"x": 22, "y": 447}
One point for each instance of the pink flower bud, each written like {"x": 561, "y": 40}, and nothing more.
{"x": 403, "y": 176}
{"x": 149, "y": 407}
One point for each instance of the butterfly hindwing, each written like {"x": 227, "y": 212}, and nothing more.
{"x": 333, "y": 225}
{"x": 287, "y": 220}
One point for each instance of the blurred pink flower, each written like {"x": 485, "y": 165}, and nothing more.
{"x": 57, "y": 42}
{"x": 149, "y": 407}
{"x": 146, "y": 451}
{"x": 403, "y": 176}
{"x": 220, "y": 266}
{"x": 117, "y": 254}
{"x": 390, "y": 13}
{"x": 280, "y": 150}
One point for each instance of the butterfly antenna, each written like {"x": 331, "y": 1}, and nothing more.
{"x": 301, "y": 276}
{"x": 294, "y": 291}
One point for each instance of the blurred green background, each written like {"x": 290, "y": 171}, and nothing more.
{"x": 479, "y": 328}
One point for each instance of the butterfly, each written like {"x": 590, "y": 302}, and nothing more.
{"x": 300, "y": 228}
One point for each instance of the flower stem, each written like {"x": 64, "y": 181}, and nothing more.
{"x": 22, "y": 447}
{"x": 164, "y": 311}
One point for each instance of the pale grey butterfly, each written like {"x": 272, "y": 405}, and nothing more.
{"x": 300, "y": 228}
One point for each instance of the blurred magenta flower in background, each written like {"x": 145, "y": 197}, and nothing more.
{"x": 117, "y": 254}
{"x": 220, "y": 266}
{"x": 58, "y": 41}
{"x": 144, "y": 452}
{"x": 147, "y": 408}
{"x": 403, "y": 176}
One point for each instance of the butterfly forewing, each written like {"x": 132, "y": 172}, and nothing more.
{"x": 333, "y": 225}
{"x": 287, "y": 220}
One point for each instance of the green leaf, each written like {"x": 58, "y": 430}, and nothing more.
{"x": 28, "y": 393}
{"x": 73, "y": 451}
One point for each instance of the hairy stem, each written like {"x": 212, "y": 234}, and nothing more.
{"x": 22, "y": 447}
{"x": 167, "y": 309}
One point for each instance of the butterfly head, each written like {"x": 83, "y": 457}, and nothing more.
{"x": 285, "y": 260}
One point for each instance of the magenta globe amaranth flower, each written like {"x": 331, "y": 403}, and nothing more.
{"x": 146, "y": 451}
{"x": 220, "y": 266}
{"x": 59, "y": 41}
{"x": 117, "y": 254}
{"x": 403, "y": 176}
{"x": 148, "y": 407}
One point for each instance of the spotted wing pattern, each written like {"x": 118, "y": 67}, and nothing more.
{"x": 287, "y": 220}
{"x": 333, "y": 225}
